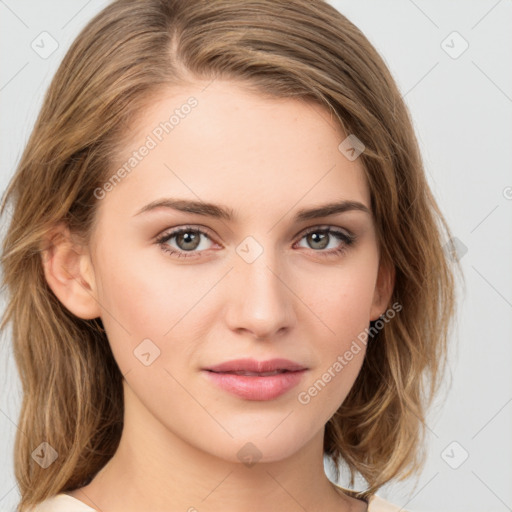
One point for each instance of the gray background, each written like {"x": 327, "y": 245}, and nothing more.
{"x": 461, "y": 106}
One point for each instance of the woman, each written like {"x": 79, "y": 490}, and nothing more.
{"x": 224, "y": 263}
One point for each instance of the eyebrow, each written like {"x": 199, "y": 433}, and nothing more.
{"x": 222, "y": 212}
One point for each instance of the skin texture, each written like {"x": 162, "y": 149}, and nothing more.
{"x": 265, "y": 159}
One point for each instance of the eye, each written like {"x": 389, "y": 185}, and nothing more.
{"x": 186, "y": 240}
{"x": 320, "y": 238}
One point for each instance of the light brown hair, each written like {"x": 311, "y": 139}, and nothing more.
{"x": 72, "y": 386}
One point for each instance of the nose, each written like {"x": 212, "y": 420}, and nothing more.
{"x": 260, "y": 299}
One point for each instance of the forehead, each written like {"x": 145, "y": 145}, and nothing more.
{"x": 221, "y": 143}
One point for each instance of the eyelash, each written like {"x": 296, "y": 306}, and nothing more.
{"x": 347, "y": 240}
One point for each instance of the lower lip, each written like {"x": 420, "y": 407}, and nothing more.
{"x": 256, "y": 388}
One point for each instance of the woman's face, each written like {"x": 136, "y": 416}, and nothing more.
{"x": 251, "y": 276}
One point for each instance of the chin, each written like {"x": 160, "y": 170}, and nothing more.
{"x": 260, "y": 447}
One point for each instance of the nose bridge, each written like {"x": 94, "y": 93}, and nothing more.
{"x": 260, "y": 301}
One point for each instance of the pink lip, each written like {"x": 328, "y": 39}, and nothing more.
{"x": 256, "y": 387}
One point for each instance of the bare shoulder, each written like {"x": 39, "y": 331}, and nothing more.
{"x": 378, "y": 504}
{"x": 357, "y": 505}
{"x": 62, "y": 503}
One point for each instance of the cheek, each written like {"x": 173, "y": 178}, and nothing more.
{"x": 340, "y": 300}
{"x": 143, "y": 302}
{"x": 131, "y": 305}
{"x": 341, "y": 297}
{"x": 138, "y": 292}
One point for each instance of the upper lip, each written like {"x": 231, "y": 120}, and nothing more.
{"x": 252, "y": 365}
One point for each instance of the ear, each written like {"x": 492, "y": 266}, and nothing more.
{"x": 383, "y": 289}
{"x": 69, "y": 272}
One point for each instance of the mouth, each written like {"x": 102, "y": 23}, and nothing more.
{"x": 256, "y": 380}
{"x": 253, "y": 374}
{"x": 256, "y": 367}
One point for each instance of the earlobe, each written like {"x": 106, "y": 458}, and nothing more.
{"x": 383, "y": 290}
{"x": 68, "y": 272}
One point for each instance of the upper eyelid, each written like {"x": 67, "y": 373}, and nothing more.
{"x": 326, "y": 227}
{"x": 172, "y": 232}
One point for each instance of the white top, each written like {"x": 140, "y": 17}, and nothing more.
{"x": 66, "y": 503}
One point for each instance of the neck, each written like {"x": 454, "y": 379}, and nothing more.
{"x": 154, "y": 469}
